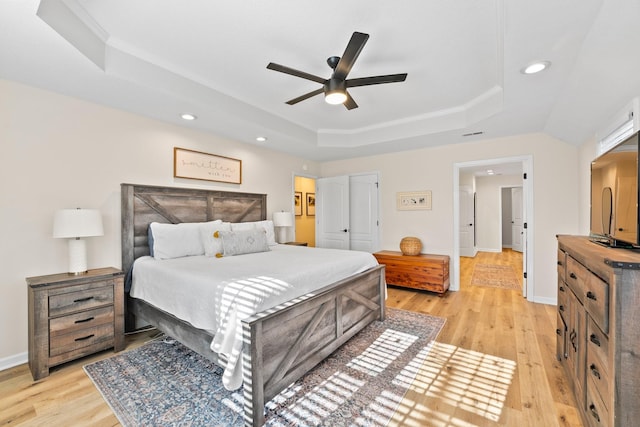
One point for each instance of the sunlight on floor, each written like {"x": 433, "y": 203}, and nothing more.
{"x": 329, "y": 396}
{"x": 460, "y": 385}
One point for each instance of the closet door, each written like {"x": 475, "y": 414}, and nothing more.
{"x": 332, "y": 212}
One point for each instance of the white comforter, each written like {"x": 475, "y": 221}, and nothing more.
{"x": 215, "y": 294}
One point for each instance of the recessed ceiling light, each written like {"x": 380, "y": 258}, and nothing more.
{"x": 188, "y": 116}
{"x": 490, "y": 172}
{"x": 536, "y": 67}
{"x": 261, "y": 138}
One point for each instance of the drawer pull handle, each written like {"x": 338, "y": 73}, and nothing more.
{"x": 594, "y": 413}
{"x": 594, "y": 371}
{"x": 85, "y": 338}
{"x": 561, "y": 288}
{"x": 561, "y": 308}
{"x": 591, "y": 296}
{"x": 88, "y": 319}
{"x": 83, "y": 299}
{"x": 558, "y": 331}
{"x": 594, "y": 339}
{"x": 573, "y": 276}
{"x": 560, "y": 263}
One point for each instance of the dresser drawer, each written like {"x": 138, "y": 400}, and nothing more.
{"x": 596, "y": 411}
{"x": 563, "y": 300}
{"x": 96, "y": 295}
{"x": 82, "y": 320}
{"x": 562, "y": 265}
{"x": 576, "y": 276}
{"x": 597, "y": 301}
{"x": 67, "y": 343}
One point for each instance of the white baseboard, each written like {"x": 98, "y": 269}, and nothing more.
{"x": 489, "y": 250}
{"x": 15, "y": 360}
{"x": 545, "y": 300}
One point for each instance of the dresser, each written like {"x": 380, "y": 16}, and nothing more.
{"x": 423, "y": 271}
{"x": 598, "y": 329}
{"x": 72, "y": 316}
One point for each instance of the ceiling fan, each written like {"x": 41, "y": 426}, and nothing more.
{"x": 335, "y": 87}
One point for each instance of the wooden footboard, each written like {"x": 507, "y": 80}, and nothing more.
{"x": 283, "y": 343}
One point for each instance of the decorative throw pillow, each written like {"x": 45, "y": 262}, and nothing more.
{"x": 266, "y": 224}
{"x": 177, "y": 240}
{"x": 212, "y": 245}
{"x": 242, "y": 242}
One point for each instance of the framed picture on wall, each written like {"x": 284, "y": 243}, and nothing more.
{"x": 311, "y": 204}
{"x": 297, "y": 203}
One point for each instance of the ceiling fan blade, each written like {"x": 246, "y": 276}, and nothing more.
{"x": 365, "y": 81}
{"x": 350, "y": 103}
{"x": 296, "y": 73}
{"x": 350, "y": 55}
{"x": 306, "y": 96}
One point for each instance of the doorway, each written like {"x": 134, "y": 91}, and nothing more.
{"x": 304, "y": 209}
{"x": 460, "y": 172}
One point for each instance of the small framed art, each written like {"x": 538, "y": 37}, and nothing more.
{"x": 297, "y": 203}
{"x": 311, "y": 204}
{"x": 414, "y": 200}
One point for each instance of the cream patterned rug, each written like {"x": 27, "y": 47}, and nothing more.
{"x": 360, "y": 384}
{"x": 495, "y": 276}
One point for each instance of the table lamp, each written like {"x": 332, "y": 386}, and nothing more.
{"x": 282, "y": 220}
{"x": 74, "y": 224}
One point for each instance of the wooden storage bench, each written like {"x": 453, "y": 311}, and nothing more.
{"x": 423, "y": 271}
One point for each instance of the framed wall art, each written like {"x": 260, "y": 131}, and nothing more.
{"x": 311, "y": 204}
{"x": 414, "y": 200}
{"x": 209, "y": 167}
{"x": 297, "y": 203}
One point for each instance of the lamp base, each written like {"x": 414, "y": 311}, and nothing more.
{"x": 77, "y": 256}
{"x": 282, "y": 234}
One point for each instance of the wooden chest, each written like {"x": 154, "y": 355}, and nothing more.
{"x": 423, "y": 271}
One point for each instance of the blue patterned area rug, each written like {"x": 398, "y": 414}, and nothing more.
{"x": 360, "y": 384}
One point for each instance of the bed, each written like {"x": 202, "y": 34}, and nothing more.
{"x": 312, "y": 325}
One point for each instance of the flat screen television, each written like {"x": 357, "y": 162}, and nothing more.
{"x": 614, "y": 196}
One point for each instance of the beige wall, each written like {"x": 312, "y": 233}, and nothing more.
{"x": 60, "y": 152}
{"x": 555, "y": 194}
{"x": 305, "y": 224}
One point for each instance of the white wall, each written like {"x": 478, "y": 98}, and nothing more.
{"x": 555, "y": 198}
{"x": 60, "y": 152}
{"x": 489, "y": 210}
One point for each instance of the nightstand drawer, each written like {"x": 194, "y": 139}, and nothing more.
{"x": 85, "y": 319}
{"x": 83, "y": 338}
{"x": 99, "y": 294}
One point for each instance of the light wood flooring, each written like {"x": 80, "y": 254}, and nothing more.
{"x": 493, "y": 364}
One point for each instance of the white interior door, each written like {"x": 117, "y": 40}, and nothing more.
{"x": 332, "y": 212}
{"x": 517, "y": 221}
{"x": 363, "y": 212}
{"x": 467, "y": 227}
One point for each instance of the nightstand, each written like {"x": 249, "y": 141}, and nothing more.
{"x": 72, "y": 316}
{"x": 296, "y": 243}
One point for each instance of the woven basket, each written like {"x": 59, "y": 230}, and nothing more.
{"x": 410, "y": 246}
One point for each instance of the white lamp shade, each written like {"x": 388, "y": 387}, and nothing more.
{"x": 71, "y": 223}
{"x": 282, "y": 219}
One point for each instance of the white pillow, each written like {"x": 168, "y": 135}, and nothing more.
{"x": 238, "y": 242}
{"x": 267, "y": 224}
{"x": 213, "y": 246}
{"x": 177, "y": 240}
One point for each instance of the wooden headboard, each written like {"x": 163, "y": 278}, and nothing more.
{"x": 144, "y": 204}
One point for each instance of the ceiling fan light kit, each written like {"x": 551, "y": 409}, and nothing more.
{"x": 335, "y": 87}
{"x": 335, "y": 92}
